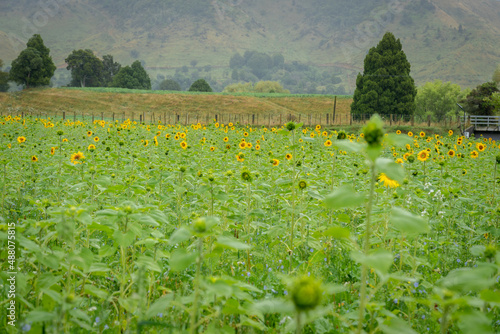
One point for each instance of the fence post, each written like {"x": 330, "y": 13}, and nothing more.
{"x": 390, "y": 119}
{"x": 334, "y": 109}
{"x": 113, "y": 116}
{"x": 429, "y": 120}
{"x": 92, "y": 118}
{"x": 350, "y": 121}
{"x": 64, "y": 115}
{"x": 327, "y": 120}
{"x": 412, "y": 120}
{"x": 140, "y": 118}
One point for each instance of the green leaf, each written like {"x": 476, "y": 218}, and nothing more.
{"x": 475, "y": 322}
{"x": 180, "y": 259}
{"x": 490, "y": 296}
{"x": 408, "y": 223}
{"x": 393, "y": 139}
{"x": 96, "y": 292}
{"x": 179, "y": 236}
{"x": 469, "y": 279}
{"x": 232, "y": 243}
{"x": 396, "y": 326}
{"x": 148, "y": 262}
{"x": 390, "y": 168}
{"x": 99, "y": 267}
{"x": 337, "y": 232}
{"x": 272, "y": 306}
{"x": 343, "y": 197}
{"x": 159, "y": 306}
{"x": 40, "y": 316}
{"x": 349, "y": 146}
{"x": 380, "y": 260}
{"x": 124, "y": 239}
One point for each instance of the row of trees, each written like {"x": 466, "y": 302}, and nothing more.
{"x": 87, "y": 70}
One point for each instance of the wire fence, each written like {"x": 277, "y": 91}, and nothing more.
{"x": 268, "y": 119}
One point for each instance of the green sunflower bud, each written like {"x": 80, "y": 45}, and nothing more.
{"x": 373, "y": 132}
{"x": 306, "y": 293}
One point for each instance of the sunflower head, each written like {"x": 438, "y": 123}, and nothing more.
{"x": 423, "y": 155}
{"x": 246, "y": 176}
{"x": 275, "y": 162}
{"x": 290, "y": 126}
{"x": 302, "y": 184}
{"x": 306, "y": 293}
{"x": 34, "y": 158}
{"x": 289, "y": 156}
{"x": 341, "y": 135}
{"x": 373, "y": 132}
{"x": 328, "y": 143}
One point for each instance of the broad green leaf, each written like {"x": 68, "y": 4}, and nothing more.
{"x": 179, "y": 236}
{"x": 99, "y": 267}
{"x": 96, "y": 292}
{"x": 245, "y": 321}
{"x": 232, "y": 243}
{"x": 390, "y": 168}
{"x": 40, "y": 316}
{"x": 272, "y": 306}
{"x": 380, "y": 260}
{"x": 490, "y": 296}
{"x": 408, "y": 223}
{"x": 475, "y": 322}
{"x": 180, "y": 259}
{"x": 337, "y": 232}
{"x": 396, "y": 326}
{"x": 469, "y": 279}
{"x": 343, "y": 197}
{"x": 46, "y": 280}
{"x": 159, "y": 306}
{"x": 349, "y": 146}
{"x": 123, "y": 239}
{"x": 398, "y": 140}
{"x": 148, "y": 262}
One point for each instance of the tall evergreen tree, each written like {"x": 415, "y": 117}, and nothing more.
{"x": 385, "y": 87}
{"x": 34, "y": 66}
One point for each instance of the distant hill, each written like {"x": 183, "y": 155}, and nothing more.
{"x": 449, "y": 40}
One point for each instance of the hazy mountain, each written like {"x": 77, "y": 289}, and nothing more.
{"x": 456, "y": 40}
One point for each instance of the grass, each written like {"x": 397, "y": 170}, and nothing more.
{"x": 132, "y": 103}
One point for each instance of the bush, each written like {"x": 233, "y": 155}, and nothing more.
{"x": 169, "y": 84}
{"x": 200, "y": 85}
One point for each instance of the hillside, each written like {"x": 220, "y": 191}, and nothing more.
{"x": 107, "y": 101}
{"x": 443, "y": 39}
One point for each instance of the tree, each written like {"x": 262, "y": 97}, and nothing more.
{"x": 86, "y": 69}
{"x": 385, "y": 86}
{"x": 4, "y": 79}
{"x": 438, "y": 99}
{"x": 169, "y": 84}
{"x": 110, "y": 68}
{"x": 132, "y": 77}
{"x": 34, "y": 66}
{"x": 479, "y": 102}
{"x": 200, "y": 85}
{"x": 260, "y": 63}
{"x": 496, "y": 75}
{"x": 236, "y": 61}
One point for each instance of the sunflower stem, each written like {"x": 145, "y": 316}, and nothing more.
{"x": 364, "y": 268}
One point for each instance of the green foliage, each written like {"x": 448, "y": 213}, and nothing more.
{"x": 200, "y": 85}
{"x": 438, "y": 99}
{"x": 132, "y": 77}
{"x": 385, "y": 87}
{"x": 259, "y": 87}
{"x": 170, "y": 84}
{"x": 34, "y": 66}
{"x": 4, "y": 79}
{"x": 478, "y": 101}
{"x": 86, "y": 69}
{"x": 110, "y": 68}
{"x": 496, "y": 75}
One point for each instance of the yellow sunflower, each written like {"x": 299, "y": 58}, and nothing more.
{"x": 91, "y": 147}
{"x": 423, "y": 155}
{"x": 242, "y": 145}
{"x": 96, "y": 139}
{"x": 275, "y": 162}
{"x": 226, "y": 139}
{"x": 77, "y": 158}
{"x": 388, "y": 182}
{"x": 328, "y": 143}
{"x": 53, "y": 150}
{"x": 289, "y": 156}
{"x": 183, "y": 145}
{"x": 21, "y": 139}
{"x": 451, "y": 153}
{"x": 89, "y": 133}
{"x": 34, "y": 158}
{"x": 474, "y": 154}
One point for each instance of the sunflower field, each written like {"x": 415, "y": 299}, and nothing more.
{"x": 219, "y": 228}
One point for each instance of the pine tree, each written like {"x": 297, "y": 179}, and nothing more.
{"x": 385, "y": 87}
{"x": 34, "y": 66}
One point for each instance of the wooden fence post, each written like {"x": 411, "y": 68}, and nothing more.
{"x": 350, "y": 120}
{"x": 92, "y": 118}
{"x": 113, "y": 116}
{"x": 64, "y": 115}
{"x": 429, "y": 120}
{"x": 334, "y": 109}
